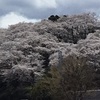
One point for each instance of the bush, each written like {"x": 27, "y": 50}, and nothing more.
{"x": 53, "y": 18}
{"x": 68, "y": 82}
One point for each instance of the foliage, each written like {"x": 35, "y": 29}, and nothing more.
{"x": 28, "y": 47}
{"x": 69, "y": 82}
{"x": 53, "y": 18}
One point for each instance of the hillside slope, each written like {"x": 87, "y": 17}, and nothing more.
{"x": 27, "y": 48}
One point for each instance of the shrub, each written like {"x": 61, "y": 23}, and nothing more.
{"x": 68, "y": 82}
{"x": 53, "y": 18}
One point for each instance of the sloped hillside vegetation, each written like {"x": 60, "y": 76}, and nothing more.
{"x": 28, "y": 50}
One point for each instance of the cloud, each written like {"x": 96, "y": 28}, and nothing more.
{"x": 40, "y": 9}
{"x": 45, "y": 3}
{"x": 14, "y": 18}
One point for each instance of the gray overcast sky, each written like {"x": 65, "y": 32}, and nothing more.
{"x": 14, "y": 11}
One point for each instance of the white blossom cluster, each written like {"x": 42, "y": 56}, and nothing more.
{"x": 28, "y": 47}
